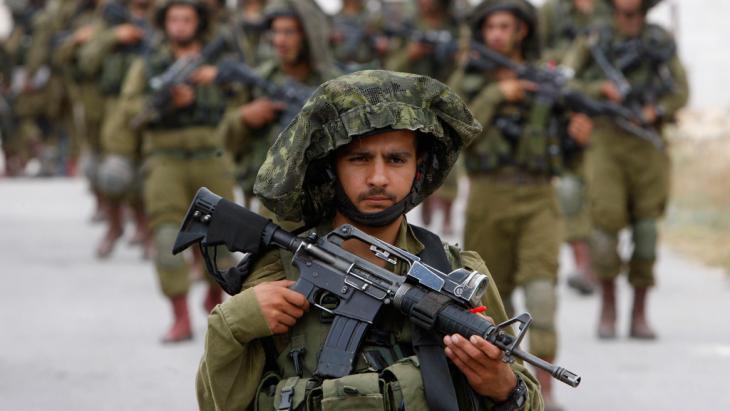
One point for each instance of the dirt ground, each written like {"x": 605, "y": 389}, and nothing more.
{"x": 698, "y": 218}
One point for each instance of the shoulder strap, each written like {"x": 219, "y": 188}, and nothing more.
{"x": 438, "y": 377}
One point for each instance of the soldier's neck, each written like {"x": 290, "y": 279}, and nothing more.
{"x": 299, "y": 70}
{"x": 388, "y": 233}
{"x": 183, "y": 50}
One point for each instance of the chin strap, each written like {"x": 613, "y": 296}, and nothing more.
{"x": 379, "y": 219}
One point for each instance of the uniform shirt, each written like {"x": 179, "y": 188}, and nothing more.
{"x": 234, "y": 357}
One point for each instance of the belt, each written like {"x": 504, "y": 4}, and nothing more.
{"x": 182, "y": 154}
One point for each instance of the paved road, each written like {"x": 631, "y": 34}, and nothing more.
{"x": 79, "y": 334}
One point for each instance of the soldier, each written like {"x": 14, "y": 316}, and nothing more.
{"x": 512, "y": 216}
{"x": 364, "y": 150}
{"x": 249, "y": 29}
{"x": 560, "y": 22}
{"x": 355, "y": 38}
{"x": 180, "y": 148}
{"x": 299, "y": 37}
{"x": 125, "y": 34}
{"x": 629, "y": 177}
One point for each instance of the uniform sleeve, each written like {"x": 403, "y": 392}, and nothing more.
{"x": 484, "y": 105}
{"x": 495, "y": 309}
{"x": 93, "y": 53}
{"x": 119, "y": 137}
{"x": 546, "y": 16}
{"x": 234, "y": 358}
{"x": 578, "y": 58}
{"x": 679, "y": 95}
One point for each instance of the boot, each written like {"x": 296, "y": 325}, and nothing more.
{"x": 213, "y": 297}
{"x": 607, "y": 322}
{"x": 546, "y": 388}
{"x": 99, "y": 211}
{"x": 114, "y": 230}
{"x": 197, "y": 269}
{"x": 180, "y": 329}
{"x": 582, "y": 280}
{"x": 640, "y": 328}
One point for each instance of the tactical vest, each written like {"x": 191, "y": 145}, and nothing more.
{"x": 386, "y": 376}
{"x": 526, "y": 135}
{"x": 646, "y": 70}
{"x": 207, "y": 109}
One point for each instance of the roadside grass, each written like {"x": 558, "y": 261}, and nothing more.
{"x": 698, "y": 217}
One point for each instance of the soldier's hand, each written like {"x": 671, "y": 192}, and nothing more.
{"x": 128, "y": 33}
{"x": 83, "y": 34}
{"x": 514, "y": 89}
{"x": 580, "y": 128}
{"x": 417, "y": 50}
{"x": 260, "y": 112}
{"x": 280, "y": 306}
{"x": 182, "y": 95}
{"x": 649, "y": 113}
{"x": 610, "y": 91}
{"x": 204, "y": 75}
{"x": 482, "y": 365}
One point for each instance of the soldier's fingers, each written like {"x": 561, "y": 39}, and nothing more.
{"x": 278, "y": 106}
{"x": 461, "y": 365}
{"x": 457, "y": 348}
{"x": 296, "y": 299}
{"x": 286, "y": 319}
{"x": 283, "y": 283}
{"x": 476, "y": 355}
{"x": 528, "y": 85}
{"x": 489, "y": 349}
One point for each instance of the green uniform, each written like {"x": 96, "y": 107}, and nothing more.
{"x": 512, "y": 217}
{"x": 292, "y": 183}
{"x": 181, "y": 153}
{"x": 629, "y": 177}
{"x": 234, "y": 359}
{"x": 560, "y": 22}
{"x": 354, "y": 43}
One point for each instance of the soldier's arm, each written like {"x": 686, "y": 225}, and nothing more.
{"x": 679, "y": 95}
{"x": 495, "y": 309}
{"x": 92, "y": 54}
{"x": 545, "y": 16}
{"x": 234, "y": 358}
{"x": 578, "y": 58}
{"x": 118, "y": 137}
{"x": 485, "y": 104}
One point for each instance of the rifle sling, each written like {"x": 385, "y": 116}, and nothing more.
{"x": 440, "y": 380}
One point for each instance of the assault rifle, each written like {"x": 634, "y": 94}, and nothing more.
{"x": 552, "y": 86}
{"x": 293, "y": 93}
{"x": 178, "y": 73}
{"x": 433, "y": 300}
{"x": 443, "y": 42}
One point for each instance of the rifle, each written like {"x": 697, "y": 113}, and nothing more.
{"x": 178, "y": 73}
{"x": 433, "y": 300}
{"x": 293, "y": 93}
{"x": 443, "y": 42}
{"x": 552, "y": 86}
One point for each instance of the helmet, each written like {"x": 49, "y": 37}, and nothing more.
{"x": 296, "y": 180}
{"x": 200, "y": 8}
{"x": 523, "y": 9}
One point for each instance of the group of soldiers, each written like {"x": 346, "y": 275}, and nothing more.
{"x": 165, "y": 98}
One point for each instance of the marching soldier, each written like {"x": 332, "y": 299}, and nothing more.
{"x": 636, "y": 64}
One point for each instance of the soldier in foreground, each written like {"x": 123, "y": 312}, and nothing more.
{"x": 636, "y": 64}
{"x": 180, "y": 148}
{"x": 560, "y": 23}
{"x": 364, "y": 150}
{"x": 512, "y": 215}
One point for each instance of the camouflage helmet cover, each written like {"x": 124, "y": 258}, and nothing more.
{"x": 290, "y": 182}
{"x": 200, "y": 9}
{"x": 523, "y": 9}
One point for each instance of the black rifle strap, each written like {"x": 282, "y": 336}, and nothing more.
{"x": 440, "y": 382}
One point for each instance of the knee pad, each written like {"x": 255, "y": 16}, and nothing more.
{"x": 645, "y": 240}
{"x": 570, "y": 195}
{"x": 604, "y": 248}
{"x": 541, "y": 302}
{"x": 164, "y": 238}
{"x": 115, "y": 175}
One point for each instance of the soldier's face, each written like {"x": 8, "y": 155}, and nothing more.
{"x": 629, "y": 16}
{"x": 181, "y": 23}
{"x": 378, "y": 171}
{"x": 503, "y": 32}
{"x": 287, "y": 38}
